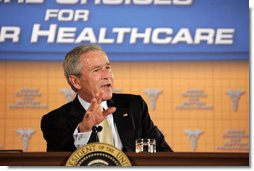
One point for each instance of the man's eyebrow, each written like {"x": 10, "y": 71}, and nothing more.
{"x": 95, "y": 67}
{"x": 100, "y": 66}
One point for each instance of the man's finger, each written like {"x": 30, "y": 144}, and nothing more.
{"x": 99, "y": 97}
{"x": 109, "y": 111}
{"x": 93, "y": 105}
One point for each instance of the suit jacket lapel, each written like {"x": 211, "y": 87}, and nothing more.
{"x": 77, "y": 109}
{"x": 123, "y": 120}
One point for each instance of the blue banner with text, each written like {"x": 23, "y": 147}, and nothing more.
{"x": 128, "y": 30}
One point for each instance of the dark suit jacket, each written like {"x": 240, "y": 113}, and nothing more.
{"x": 58, "y": 126}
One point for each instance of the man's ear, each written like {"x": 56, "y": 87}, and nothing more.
{"x": 75, "y": 81}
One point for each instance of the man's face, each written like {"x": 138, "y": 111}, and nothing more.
{"x": 96, "y": 76}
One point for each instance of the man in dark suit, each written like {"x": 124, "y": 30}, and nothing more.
{"x": 88, "y": 71}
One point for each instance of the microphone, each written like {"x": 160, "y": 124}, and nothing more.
{"x": 94, "y": 136}
{"x": 97, "y": 129}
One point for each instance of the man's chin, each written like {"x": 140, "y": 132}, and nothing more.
{"x": 107, "y": 96}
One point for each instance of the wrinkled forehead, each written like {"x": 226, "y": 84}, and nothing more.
{"x": 94, "y": 58}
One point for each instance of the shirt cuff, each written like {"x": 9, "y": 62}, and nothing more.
{"x": 81, "y": 138}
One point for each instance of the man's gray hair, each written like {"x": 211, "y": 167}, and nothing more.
{"x": 72, "y": 64}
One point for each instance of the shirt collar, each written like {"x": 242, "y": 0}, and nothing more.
{"x": 86, "y": 104}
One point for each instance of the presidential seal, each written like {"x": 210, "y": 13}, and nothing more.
{"x": 98, "y": 154}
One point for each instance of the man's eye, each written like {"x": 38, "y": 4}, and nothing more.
{"x": 96, "y": 70}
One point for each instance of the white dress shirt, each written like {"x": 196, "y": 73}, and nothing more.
{"x": 81, "y": 138}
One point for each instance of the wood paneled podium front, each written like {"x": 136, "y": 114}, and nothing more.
{"x": 136, "y": 159}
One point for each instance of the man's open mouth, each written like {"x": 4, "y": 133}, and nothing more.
{"x": 107, "y": 85}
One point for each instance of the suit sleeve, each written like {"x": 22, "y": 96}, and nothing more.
{"x": 149, "y": 130}
{"x": 57, "y": 136}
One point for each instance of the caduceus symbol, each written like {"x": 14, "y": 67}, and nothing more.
{"x": 235, "y": 96}
{"x": 26, "y": 135}
{"x": 153, "y": 95}
{"x": 193, "y": 136}
{"x": 69, "y": 94}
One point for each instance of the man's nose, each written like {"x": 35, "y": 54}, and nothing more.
{"x": 106, "y": 74}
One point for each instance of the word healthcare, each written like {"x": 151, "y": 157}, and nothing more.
{"x": 133, "y": 35}
{"x": 120, "y": 35}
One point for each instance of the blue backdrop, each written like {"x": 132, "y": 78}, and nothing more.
{"x": 129, "y": 30}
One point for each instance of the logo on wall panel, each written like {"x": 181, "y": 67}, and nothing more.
{"x": 238, "y": 140}
{"x": 69, "y": 94}
{"x": 98, "y": 154}
{"x": 117, "y": 90}
{"x": 28, "y": 99}
{"x": 193, "y": 136}
{"x": 235, "y": 97}
{"x": 153, "y": 95}
{"x": 26, "y": 135}
{"x": 194, "y": 100}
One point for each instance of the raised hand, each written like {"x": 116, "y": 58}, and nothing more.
{"x": 94, "y": 114}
